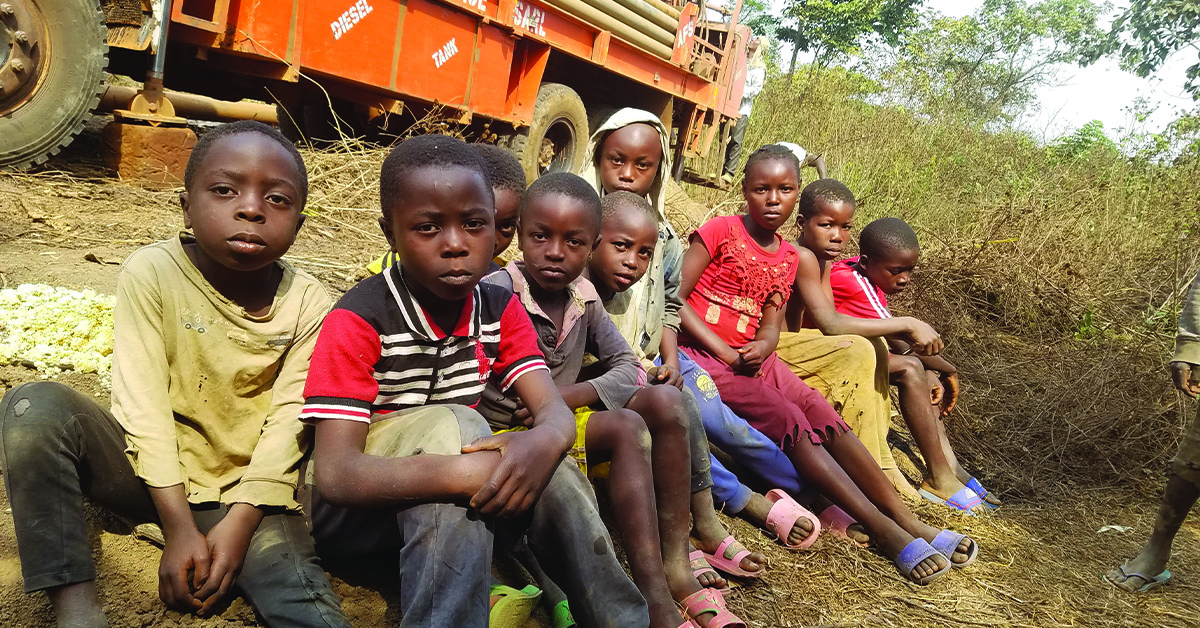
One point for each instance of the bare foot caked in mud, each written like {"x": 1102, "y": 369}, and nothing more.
{"x": 708, "y": 533}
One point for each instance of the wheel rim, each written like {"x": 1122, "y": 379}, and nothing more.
{"x": 24, "y": 53}
{"x": 558, "y": 147}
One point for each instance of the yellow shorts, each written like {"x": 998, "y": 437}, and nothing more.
{"x": 578, "y": 450}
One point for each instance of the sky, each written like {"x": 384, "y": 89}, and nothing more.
{"x": 1101, "y": 91}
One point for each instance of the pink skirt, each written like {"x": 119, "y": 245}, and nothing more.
{"x": 777, "y": 403}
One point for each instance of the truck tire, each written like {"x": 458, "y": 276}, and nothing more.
{"x": 52, "y": 80}
{"x": 556, "y": 140}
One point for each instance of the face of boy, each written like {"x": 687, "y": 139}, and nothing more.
{"x": 443, "y": 230}
{"x": 825, "y": 233}
{"x": 629, "y": 159}
{"x": 244, "y": 204}
{"x": 771, "y": 188}
{"x": 891, "y": 272}
{"x": 508, "y": 209}
{"x": 557, "y": 234}
{"x": 627, "y": 241}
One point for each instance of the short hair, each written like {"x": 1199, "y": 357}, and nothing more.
{"x": 426, "y": 151}
{"x": 569, "y": 185}
{"x": 504, "y": 171}
{"x": 886, "y": 236}
{"x": 211, "y": 137}
{"x": 772, "y": 152}
{"x": 614, "y": 202}
{"x": 824, "y": 190}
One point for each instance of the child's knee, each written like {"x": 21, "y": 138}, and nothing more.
{"x": 632, "y": 429}
{"x": 662, "y": 406}
{"x": 34, "y": 412}
{"x": 857, "y": 352}
{"x": 907, "y": 369}
{"x": 471, "y": 425}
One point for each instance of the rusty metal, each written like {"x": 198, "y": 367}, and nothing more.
{"x": 120, "y": 98}
{"x": 23, "y": 64}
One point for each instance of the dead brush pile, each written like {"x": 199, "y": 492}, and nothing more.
{"x": 1055, "y": 279}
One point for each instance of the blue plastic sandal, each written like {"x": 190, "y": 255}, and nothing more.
{"x": 912, "y": 555}
{"x": 974, "y": 485}
{"x": 1152, "y": 582}
{"x": 946, "y": 543}
{"x": 965, "y": 500}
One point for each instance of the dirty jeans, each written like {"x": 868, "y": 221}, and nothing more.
{"x": 58, "y": 446}
{"x": 446, "y": 548}
{"x": 734, "y": 436}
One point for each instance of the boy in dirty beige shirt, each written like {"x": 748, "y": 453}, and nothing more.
{"x": 213, "y": 335}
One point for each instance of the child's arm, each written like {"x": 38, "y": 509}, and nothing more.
{"x": 619, "y": 367}
{"x": 668, "y": 347}
{"x": 341, "y": 376}
{"x": 142, "y": 406}
{"x": 810, "y": 289}
{"x": 527, "y": 459}
{"x": 695, "y": 261}
{"x": 766, "y": 338}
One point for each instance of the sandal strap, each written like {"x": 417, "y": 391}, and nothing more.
{"x": 784, "y": 514}
{"x": 710, "y": 601}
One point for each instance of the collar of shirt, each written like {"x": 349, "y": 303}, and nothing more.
{"x": 579, "y": 293}
{"x": 418, "y": 320}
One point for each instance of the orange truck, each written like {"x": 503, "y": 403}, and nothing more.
{"x": 528, "y": 74}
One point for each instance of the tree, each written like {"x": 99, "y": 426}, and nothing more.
{"x": 986, "y": 68}
{"x": 1150, "y": 31}
{"x": 828, "y": 28}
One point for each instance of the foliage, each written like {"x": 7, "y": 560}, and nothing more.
{"x": 1085, "y": 141}
{"x": 1146, "y": 33}
{"x": 829, "y": 28}
{"x": 986, "y": 68}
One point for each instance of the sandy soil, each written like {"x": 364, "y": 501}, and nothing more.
{"x": 1042, "y": 555}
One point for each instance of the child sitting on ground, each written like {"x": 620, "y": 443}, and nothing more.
{"x": 888, "y": 252}
{"x": 507, "y": 179}
{"x": 737, "y": 275}
{"x": 560, "y": 223}
{"x": 629, "y": 152}
{"x": 628, "y": 236}
{"x": 1148, "y": 570}
{"x": 401, "y": 460}
{"x": 825, "y": 218}
{"x": 212, "y": 338}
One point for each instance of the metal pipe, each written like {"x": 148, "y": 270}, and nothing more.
{"x": 635, "y": 22}
{"x": 644, "y": 9}
{"x": 618, "y": 27}
{"x": 195, "y": 107}
{"x": 160, "y": 46}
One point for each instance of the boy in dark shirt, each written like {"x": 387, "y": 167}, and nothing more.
{"x": 401, "y": 457}
{"x": 560, "y": 225}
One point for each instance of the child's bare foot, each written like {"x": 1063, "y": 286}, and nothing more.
{"x": 77, "y": 605}
{"x": 709, "y": 533}
{"x": 902, "y": 485}
{"x": 704, "y": 572}
{"x": 759, "y": 507}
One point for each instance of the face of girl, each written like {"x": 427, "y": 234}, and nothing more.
{"x": 771, "y": 188}
{"x": 826, "y": 232}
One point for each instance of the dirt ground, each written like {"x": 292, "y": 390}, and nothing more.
{"x": 1042, "y": 555}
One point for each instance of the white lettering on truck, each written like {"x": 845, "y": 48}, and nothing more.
{"x": 448, "y": 50}
{"x": 530, "y": 18}
{"x": 352, "y": 16}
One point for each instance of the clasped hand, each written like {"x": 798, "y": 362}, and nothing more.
{"x": 197, "y": 571}
{"x": 527, "y": 460}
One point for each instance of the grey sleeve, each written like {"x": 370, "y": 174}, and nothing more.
{"x": 621, "y": 372}
{"x": 673, "y": 269}
{"x": 1187, "y": 338}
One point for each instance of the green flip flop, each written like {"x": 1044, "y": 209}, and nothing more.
{"x": 514, "y": 606}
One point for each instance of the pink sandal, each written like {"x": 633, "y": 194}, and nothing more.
{"x": 837, "y": 521}
{"x": 784, "y": 514}
{"x": 700, "y": 565}
{"x": 710, "y": 601}
{"x": 731, "y": 566}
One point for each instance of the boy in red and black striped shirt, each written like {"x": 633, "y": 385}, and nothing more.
{"x": 401, "y": 457}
